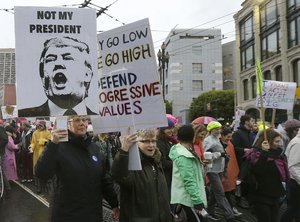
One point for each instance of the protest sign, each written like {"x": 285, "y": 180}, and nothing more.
{"x": 237, "y": 119}
{"x": 130, "y": 91}
{"x": 56, "y": 61}
{"x": 277, "y": 95}
{"x": 9, "y": 112}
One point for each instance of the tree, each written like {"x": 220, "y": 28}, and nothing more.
{"x": 168, "y": 106}
{"x": 216, "y": 103}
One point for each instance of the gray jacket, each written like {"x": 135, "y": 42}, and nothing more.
{"x": 292, "y": 153}
{"x": 213, "y": 144}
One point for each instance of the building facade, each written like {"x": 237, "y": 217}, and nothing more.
{"x": 195, "y": 67}
{"x": 268, "y": 30}
{"x": 7, "y": 77}
{"x": 229, "y": 63}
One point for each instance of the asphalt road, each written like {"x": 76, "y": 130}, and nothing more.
{"x": 21, "y": 206}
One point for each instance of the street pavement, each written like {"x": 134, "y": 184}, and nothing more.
{"x": 24, "y": 205}
{"x": 21, "y": 206}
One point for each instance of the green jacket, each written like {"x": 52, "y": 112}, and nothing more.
{"x": 187, "y": 180}
{"x": 144, "y": 193}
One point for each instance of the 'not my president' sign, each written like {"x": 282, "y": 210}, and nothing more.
{"x": 56, "y": 61}
{"x": 129, "y": 87}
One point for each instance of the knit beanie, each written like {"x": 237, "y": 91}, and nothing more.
{"x": 292, "y": 123}
{"x": 213, "y": 125}
{"x": 171, "y": 124}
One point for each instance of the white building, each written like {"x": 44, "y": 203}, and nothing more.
{"x": 195, "y": 67}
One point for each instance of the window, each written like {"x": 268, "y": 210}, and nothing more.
{"x": 197, "y": 50}
{"x": 253, "y": 85}
{"x": 177, "y": 85}
{"x": 197, "y": 85}
{"x": 293, "y": 4}
{"x": 246, "y": 93}
{"x": 294, "y": 23}
{"x": 213, "y": 68}
{"x": 176, "y": 67}
{"x": 197, "y": 68}
{"x": 270, "y": 30}
{"x": 278, "y": 73}
{"x": 246, "y": 29}
{"x": 267, "y": 75}
{"x": 247, "y": 43}
{"x": 270, "y": 45}
{"x": 296, "y": 70}
{"x": 269, "y": 14}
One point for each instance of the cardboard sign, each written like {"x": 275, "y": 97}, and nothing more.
{"x": 130, "y": 91}
{"x": 277, "y": 95}
{"x": 56, "y": 61}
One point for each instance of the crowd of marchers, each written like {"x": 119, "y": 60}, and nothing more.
{"x": 191, "y": 172}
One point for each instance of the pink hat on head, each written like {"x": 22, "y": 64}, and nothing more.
{"x": 173, "y": 118}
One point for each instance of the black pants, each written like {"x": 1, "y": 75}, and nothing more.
{"x": 266, "y": 212}
{"x": 293, "y": 202}
{"x": 191, "y": 215}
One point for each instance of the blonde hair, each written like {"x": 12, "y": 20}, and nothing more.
{"x": 147, "y": 133}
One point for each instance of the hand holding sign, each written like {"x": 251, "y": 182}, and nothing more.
{"x": 128, "y": 140}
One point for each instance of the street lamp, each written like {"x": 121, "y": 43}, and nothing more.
{"x": 163, "y": 63}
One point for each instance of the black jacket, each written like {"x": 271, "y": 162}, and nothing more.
{"x": 3, "y": 140}
{"x": 26, "y": 136}
{"x": 241, "y": 139}
{"x": 269, "y": 185}
{"x": 164, "y": 147}
{"x": 80, "y": 180}
{"x": 144, "y": 194}
{"x": 43, "y": 110}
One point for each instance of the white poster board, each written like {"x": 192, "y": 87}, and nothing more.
{"x": 238, "y": 114}
{"x": 130, "y": 91}
{"x": 277, "y": 95}
{"x": 9, "y": 112}
{"x": 56, "y": 61}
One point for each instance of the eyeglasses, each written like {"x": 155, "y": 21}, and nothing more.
{"x": 77, "y": 120}
{"x": 147, "y": 141}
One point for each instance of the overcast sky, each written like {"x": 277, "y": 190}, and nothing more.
{"x": 163, "y": 15}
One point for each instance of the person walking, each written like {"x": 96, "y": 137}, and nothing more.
{"x": 38, "y": 140}
{"x": 187, "y": 189}
{"x": 293, "y": 201}
{"x": 200, "y": 134}
{"x": 144, "y": 193}
{"x": 80, "y": 178}
{"x": 26, "y": 135}
{"x": 242, "y": 140}
{"x": 164, "y": 144}
{"x": 215, "y": 173}
{"x": 269, "y": 170}
{"x": 230, "y": 177}
{"x": 9, "y": 162}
